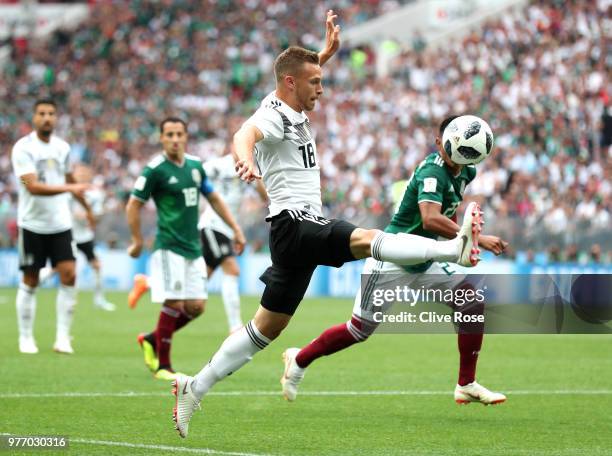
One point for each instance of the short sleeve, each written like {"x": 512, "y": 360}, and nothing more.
{"x": 144, "y": 185}
{"x": 270, "y": 123}
{"x": 22, "y": 161}
{"x": 471, "y": 173}
{"x": 431, "y": 184}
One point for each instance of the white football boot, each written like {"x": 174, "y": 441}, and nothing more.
{"x": 103, "y": 304}
{"x": 186, "y": 403}
{"x": 468, "y": 236}
{"x": 62, "y": 345}
{"x": 27, "y": 345}
{"x": 474, "y": 392}
{"x": 293, "y": 375}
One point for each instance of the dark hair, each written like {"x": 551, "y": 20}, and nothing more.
{"x": 172, "y": 119}
{"x": 291, "y": 59}
{"x": 44, "y": 101}
{"x": 445, "y": 123}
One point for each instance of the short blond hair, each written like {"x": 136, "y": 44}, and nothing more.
{"x": 291, "y": 60}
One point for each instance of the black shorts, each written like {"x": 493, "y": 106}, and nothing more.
{"x": 216, "y": 247}
{"x": 35, "y": 249}
{"x": 299, "y": 242}
{"x": 88, "y": 250}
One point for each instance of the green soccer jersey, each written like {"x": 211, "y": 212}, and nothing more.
{"x": 176, "y": 192}
{"x": 431, "y": 181}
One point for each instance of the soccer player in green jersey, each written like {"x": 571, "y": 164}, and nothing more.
{"x": 174, "y": 180}
{"x": 427, "y": 208}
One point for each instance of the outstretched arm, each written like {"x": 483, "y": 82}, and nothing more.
{"x": 261, "y": 191}
{"x": 244, "y": 143}
{"x": 80, "y": 197}
{"x": 132, "y": 211}
{"x": 435, "y": 221}
{"x": 332, "y": 38}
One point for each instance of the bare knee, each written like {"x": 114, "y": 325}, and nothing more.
{"x": 67, "y": 272}
{"x": 361, "y": 240}
{"x": 270, "y": 324}
{"x": 194, "y": 307}
{"x": 30, "y": 278}
{"x": 230, "y": 267}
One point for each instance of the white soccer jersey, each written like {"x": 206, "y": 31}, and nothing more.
{"x": 49, "y": 161}
{"x": 81, "y": 231}
{"x": 222, "y": 174}
{"x": 287, "y": 157}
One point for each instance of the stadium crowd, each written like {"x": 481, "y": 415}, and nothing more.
{"x": 539, "y": 75}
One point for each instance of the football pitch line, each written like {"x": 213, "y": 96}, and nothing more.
{"x": 157, "y": 447}
{"x": 302, "y": 393}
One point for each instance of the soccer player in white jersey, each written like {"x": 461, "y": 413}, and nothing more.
{"x": 84, "y": 235}
{"x": 40, "y": 163}
{"x": 217, "y": 236}
{"x": 278, "y": 143}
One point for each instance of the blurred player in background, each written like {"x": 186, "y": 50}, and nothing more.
{"x": 174, "y": 180}
{"x": 217, "y": 238}
{"x": 278, "y": 143}
{"x": 41, "y": 164}
{"x": 83, "y": 234}
{"x": 427, "y": 208}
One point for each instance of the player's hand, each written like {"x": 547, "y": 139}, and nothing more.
{"x": 493, "y": 244}
{"x": 78, "y": 190}
{"x": 135, "y": 248}
{"x": 239, "y": 241}
{"x": 247, "y": 171}
{"x": 332, "y": 38}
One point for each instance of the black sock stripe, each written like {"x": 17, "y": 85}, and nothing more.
{"x": 369, "y": 289}
{"x": 376, "y": 246}
{"x": 256, "y": 340}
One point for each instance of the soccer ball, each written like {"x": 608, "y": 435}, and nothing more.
{"x": 467, "y": 140}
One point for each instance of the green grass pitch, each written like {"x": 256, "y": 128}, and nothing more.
{"x": 390, "y": 396}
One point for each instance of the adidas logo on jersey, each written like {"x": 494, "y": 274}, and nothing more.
{"x": 173, "y": 180}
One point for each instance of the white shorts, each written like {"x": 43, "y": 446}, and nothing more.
{"x": 176, "y": 277}
{"x": 382, "y": 274}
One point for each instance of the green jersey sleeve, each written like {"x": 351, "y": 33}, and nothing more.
{"x": 471, "y": 173}
{"x": 431, "y": 183}
{"x": 144, "y": 185}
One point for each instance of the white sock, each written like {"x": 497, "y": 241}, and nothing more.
{"x": 406, "y": 249}
{"x": 26, "y": 309}
{"x": 98, "y": 292}
{"x": 66, "y": 300}
{"x": 231, "y": 301}
{"x": 237, "y": 350}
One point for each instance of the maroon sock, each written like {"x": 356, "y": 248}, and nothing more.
{"x": 182, "y": 320}
{"x": 163, "y": 335}
{"x": 469, "y": 347}
{"x": 330, "y": 341}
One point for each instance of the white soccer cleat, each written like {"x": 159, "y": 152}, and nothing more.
{"x": 474, "y": 392}
{"x": 103, "y": 304}
{"x": 293, "y": 374}
{"x": 468, "y": 236}
{"x": 63, "y": 346}
{"x": 186, "y": 404}
{"x": 27, "y": 345}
